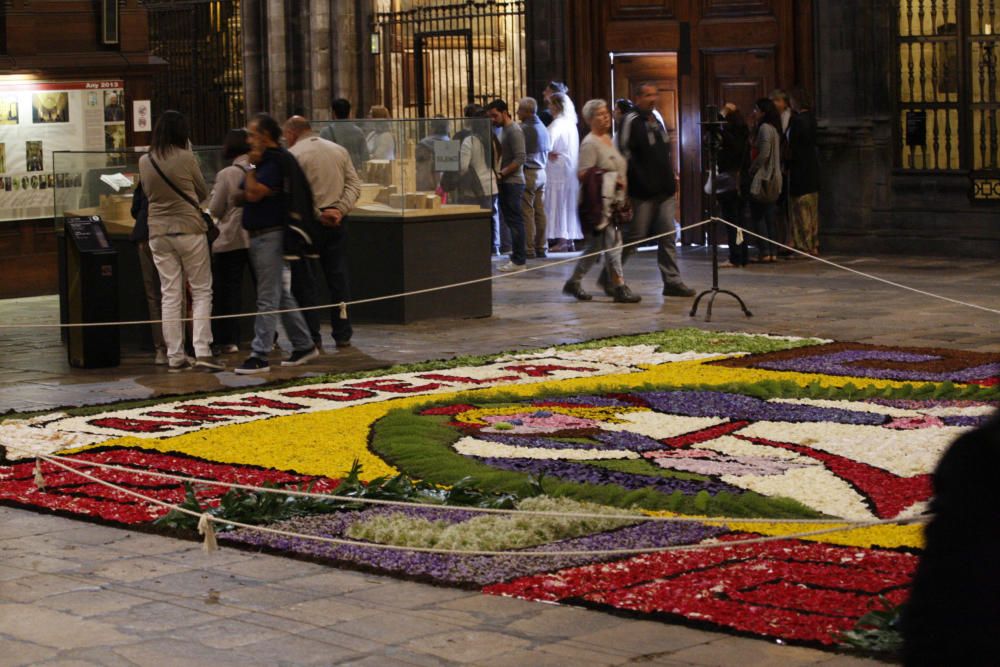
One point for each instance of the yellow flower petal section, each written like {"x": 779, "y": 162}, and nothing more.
{"x": 325, "y": 443}
{"x": 890, "y": 536}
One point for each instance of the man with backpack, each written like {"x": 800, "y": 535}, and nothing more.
{"x": 269, "y": 195}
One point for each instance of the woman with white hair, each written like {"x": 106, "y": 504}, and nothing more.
{"x": 604, "y": 172}
{"x": 562, "y": 184}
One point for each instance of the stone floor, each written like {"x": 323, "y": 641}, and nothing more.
{"x": 77, "y": 594}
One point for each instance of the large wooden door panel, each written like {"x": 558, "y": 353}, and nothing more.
{"x": 740, "y": 77}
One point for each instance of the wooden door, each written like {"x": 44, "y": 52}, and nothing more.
{"x": 741, "y": 77}
{"x": 661, "y": 70}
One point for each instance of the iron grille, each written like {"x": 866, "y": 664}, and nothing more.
{"x": 435, "y": 59}
{"x": 201, "y": 40}
{"x": 947, "y": 83}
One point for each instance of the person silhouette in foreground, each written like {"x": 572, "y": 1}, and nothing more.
{"x": 953, "y": 615}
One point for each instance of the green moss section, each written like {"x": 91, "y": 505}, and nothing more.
{"x": 421, "y": 447}
{"x": 644, "y": 467}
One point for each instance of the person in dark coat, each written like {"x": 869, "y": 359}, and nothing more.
{"x": 733, "y": 167}
{"x": 803, "y": 179}
{"x": 953, "y": 615}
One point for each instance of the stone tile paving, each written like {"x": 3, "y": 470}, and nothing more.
{"x": 77, "y": 594}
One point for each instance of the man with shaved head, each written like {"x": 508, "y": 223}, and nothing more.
{"x": 335, "y": 189}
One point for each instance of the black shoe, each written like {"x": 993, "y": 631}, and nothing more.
{"x": 345, "y": 342}
{"x": 605, "y": 284}
{"x": 541, "y": 253}
{"x": 210, "y": 363}
{"x": 574, "y": 289}
{"x": 624, "y": 295}
{"x": 678, "y": 289}
{"x": 252, "y": 366}
{"x": 300, "y": 357}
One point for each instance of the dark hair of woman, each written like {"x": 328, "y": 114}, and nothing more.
{"x": 235, "y": 144}
{"x": 170, "y": 132}
{"x": 771, "y": 115}
{"x": 266, "y": 124}
{"x": 624, "y": 105}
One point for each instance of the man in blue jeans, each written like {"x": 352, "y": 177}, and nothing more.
{"x": 511, "y": 177}
{"x": 265, "y": 215}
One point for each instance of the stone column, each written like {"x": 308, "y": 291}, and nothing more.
{"x": 277, "y": 60}
{"x": 319, "y": 59}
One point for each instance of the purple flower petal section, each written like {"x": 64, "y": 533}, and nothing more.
{"x": 465, "y": 570}
{"x": 588, "y": 474}
{"x": 592, "y": 401}
{"x": 738, "y": 408}
{"x": 847, "y": 363}
{"x": 604, "y": 440}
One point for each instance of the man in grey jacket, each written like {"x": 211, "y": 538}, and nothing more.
{"x": 335, "y": 189}
{"x": 537, "y": 147}
{"x": 511, "y": 178}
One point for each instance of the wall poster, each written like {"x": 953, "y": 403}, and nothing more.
{"x": 40, "y": 117}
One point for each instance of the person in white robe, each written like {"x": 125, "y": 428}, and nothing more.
{"x": 562, "y": 185}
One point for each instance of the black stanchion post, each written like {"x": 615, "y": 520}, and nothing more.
{"x": 712, "y": 133}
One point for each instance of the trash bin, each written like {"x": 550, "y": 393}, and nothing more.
{"x": 91, "y": 293}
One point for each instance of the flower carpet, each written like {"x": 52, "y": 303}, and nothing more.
{"x": 748, "y": 437}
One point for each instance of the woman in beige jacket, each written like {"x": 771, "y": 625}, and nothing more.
{"x": 177, "y": 238}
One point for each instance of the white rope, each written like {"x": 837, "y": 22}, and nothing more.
{"x": 357, "y": 302}
{"x": 399, "y": 503}
{"x": 476, "y": 552}
{"x": 859, "y": 273}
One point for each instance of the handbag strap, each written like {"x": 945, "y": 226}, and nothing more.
{"x": 173, "y": 187}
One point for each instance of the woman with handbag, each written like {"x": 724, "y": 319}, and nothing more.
{"x": 602, "y": 170}
{"x": 765, "y": 175}
{"x": 174, "y": 184}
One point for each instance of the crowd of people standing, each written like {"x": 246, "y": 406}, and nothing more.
{"x": 278, "y": 207}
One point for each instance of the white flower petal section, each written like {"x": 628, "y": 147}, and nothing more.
{"x": 469, "y": 446}
{"x": 854, "y": 406}
{"x": 659, "y": 426}
{"x": 902, "y": 452}
{"x": 954, "y": 411}
{"x": 736, "y": 447}
{"x": 813, "y": 486}
{"x": 27, "y": 438}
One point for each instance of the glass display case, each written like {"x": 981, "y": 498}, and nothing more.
{"x": 417, "y": 168}
{"x": 101, "y": 183}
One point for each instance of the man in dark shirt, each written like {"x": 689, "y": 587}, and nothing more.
{"x": 265, "y": 215}
{"x": 347, "y": 134}
{"x": 652, "y": 186}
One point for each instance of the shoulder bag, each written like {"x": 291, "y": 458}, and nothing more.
{"x": 212, "y": 230}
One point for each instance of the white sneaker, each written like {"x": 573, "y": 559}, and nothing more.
{"x": 511, "y": 267}
{"x": 161, "y": 358}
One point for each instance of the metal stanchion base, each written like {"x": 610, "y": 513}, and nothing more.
{"x": 715, "y": 291}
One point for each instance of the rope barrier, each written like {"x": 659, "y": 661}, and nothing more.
{"x": 399, "y": 503}
{"x": 205, "y": 518}
{"x": 357, "y": 302}
{"x": 856, "y": 272}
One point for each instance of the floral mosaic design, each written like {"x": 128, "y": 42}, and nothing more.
{"x": 753, "y": 423}
{"x": 856, "y": 460}
{"x": 68, "y": 493}
{"x": 873, "y": 361}
{"x": 789, "y": 590}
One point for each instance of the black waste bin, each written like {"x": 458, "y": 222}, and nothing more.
{"x": 91, "y": 294}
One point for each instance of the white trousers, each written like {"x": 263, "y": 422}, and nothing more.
{"x": 180, "y": 258}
